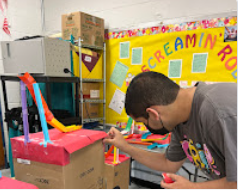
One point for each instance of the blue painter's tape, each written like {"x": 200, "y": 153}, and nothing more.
{"x": 162, "y": 145}
{"x": 152, "y": 146}
{"x": 145, "y": 135}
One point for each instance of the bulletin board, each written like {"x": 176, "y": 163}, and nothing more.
{"x": 186, "y": 57}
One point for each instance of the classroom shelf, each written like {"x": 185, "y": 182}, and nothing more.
{"x": 83, "y": 80}
{"x": 88, "y": 46}
{"x": 43, "y": 79}
{"x": 94, "y": 100}
{"x": 93, "y": 120}
{"x": 47, "y": 80}
{"x": 92, "y": 80}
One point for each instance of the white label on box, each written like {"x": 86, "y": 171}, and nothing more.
{"x": 87, "y": 58}
{"x": 23, "y": 161}
{"x": 94, "y": 93}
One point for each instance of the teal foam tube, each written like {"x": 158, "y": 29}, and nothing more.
{"x": 42, "y": 114}
{"x": 12, "y": 133}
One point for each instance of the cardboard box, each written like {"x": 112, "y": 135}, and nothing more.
{"x": 74, "y": 160}
{"x": 88, "y": 27}
{"x": 8, "y": 183}
{"x": 117, "y": 175}
{"x": 91, "y": 90}
{"x": 90, "y": 110}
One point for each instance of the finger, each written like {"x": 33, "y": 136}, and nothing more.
{"x": 107, "y": 138}
{"x": 108, "y": 141}
{"x": 174, "y": 177}
{"x": 111, "y": 130}
{"x": 115, "y": 131}
{"x": 111, "y": 134}
{"x": 166, "y": 185}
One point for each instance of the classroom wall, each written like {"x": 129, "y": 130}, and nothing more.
{"x": 24, "y": 17}
{"x": 127, "y": 14}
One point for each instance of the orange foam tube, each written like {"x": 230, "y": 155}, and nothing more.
{"x": 109, "y": 151}
{"x": 55, "y": 123}
{"x": 29, "y": 81}
{"x": 51, "y": 120}
{"x": 139, "y": 142}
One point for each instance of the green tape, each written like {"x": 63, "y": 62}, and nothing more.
{"x": 129, "y": 124}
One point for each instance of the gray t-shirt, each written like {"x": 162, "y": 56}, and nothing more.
{"x": 209, "y": 137}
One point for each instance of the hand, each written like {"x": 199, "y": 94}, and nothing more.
{"x": 179, "y": 183}
{"x": 115, "y": 138}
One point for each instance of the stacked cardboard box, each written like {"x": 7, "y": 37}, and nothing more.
{"x": 117, "y": 175}
{"x": 87, "y": 27}
{"x": 74, "y": 160}
{"x": 92, "y": 91}
{"x": 90, "y": 110}
{"x": 91, "y": 30}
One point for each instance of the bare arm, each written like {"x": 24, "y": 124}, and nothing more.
{"x": 153, "y": 160}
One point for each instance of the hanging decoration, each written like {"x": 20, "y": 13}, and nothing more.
{"x": 1, "y": 6}
{"x": 4, "y": 3}
{"x": 5, "y": 26}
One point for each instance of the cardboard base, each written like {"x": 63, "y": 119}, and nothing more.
{"x": 117, "y": 176}
{"x": 85, "y": 170}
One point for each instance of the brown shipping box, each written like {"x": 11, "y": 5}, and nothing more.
{"x": 90, "y": 110}
{"x": 116, "y": 175}
{"x": 91, "y": 90}
{"x": 63, "y": 164}
{"x": 87, "y": 27}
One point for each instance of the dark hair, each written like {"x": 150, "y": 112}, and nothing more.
{"x": 148, "y": 89}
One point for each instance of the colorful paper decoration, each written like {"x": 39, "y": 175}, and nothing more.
{"x": 5, "y": 26}
{"x": 1, "y": 6}
{"x": 212, "y": 23}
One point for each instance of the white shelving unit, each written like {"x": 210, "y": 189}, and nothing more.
{"x": 86, "y": 80}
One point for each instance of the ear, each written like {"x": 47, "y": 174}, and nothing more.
{"x": 153, "y": 113}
